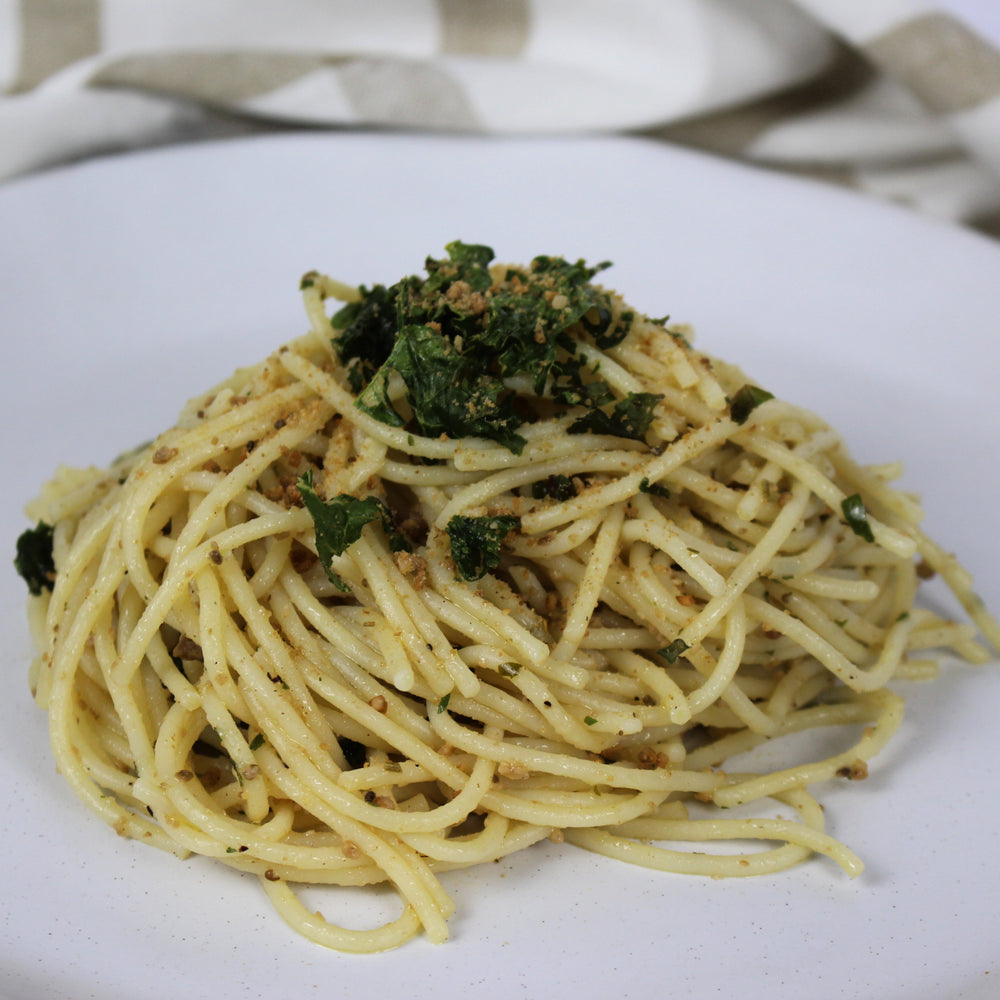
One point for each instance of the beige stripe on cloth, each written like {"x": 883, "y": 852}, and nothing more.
{"x": 733, "y": 130}
{"x": 487, "y": 28}
{"x": 404, "y": 92}
{"x": 55, "y": 34}
{"x": 391, "y": 91}
{"x": 943, "y": 62}
{"x": 220, "y": 78}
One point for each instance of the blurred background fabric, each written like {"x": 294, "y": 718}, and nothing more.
{"x": 896, "y": 98}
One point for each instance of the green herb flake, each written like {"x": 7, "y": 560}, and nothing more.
{"x": 746, "y": 400}
{"x": 443, "y": 703}
{"x": 629, "y": 417}
{"x": 573, "y": 384}
{"x": 339, "y": 523}
{"x": 257, "y": 742}
{"x": 654, "y": 489}
{"x": 856, "y": 517}
{"x": 366, "y": 333}
{"x": 476, "y": 542}
{"x": 447, "y": 390}
{"x": 675, "y": 649}
{"x": 555, "y": 487}
{"x": 456, "y": 339}
{"x": 509, "y": 669}
{"x": 33, "y": 560}
{"x": 589, "y": 720}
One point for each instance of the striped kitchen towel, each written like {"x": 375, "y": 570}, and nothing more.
{"x": 892, "y": 97}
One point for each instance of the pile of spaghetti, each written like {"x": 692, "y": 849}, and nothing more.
{"x": 484, "y": 558}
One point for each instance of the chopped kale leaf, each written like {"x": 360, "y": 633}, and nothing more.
{"x": 356, "y": 754}
{"x": 374, "y": 398}
{"x": 33, "y": 560}
{"x": 367, "y": 331}
{"x": 629, "y": 417}
{"x": 557, "y": 487}
{"x": 476, "y": 542}
{"x": 571, "y": 387}
{"x": 584, "y": 302}
{"x": 447, "y": 392}
{"x": 519, "y": 336}
{"x": 654, "y": 489}
{"x": 339, "y": 523}
{"x": 856, "y": 517}
{"x": 610, "y": 334}
{"x": 468, "y": 262}
{"x": 746, "y": 400}
{"x": 675, "y": 649}
{"x": 457, "y": 338}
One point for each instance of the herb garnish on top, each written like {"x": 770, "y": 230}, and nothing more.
{"x": 472, "y": 348}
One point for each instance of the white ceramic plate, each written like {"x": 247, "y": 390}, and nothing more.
{"x": 130, "y": 284}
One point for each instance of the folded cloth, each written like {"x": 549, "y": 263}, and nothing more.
{"x": 889, "y": 96}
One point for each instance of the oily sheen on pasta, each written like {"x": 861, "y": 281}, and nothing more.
{"x": 484, "y": 558}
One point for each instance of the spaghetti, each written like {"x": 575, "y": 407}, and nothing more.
{"x": 485, "y": 558}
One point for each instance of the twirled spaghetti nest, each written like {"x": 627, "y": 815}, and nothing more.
{"x": 488, "y": 559}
